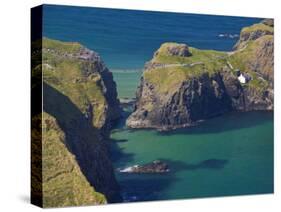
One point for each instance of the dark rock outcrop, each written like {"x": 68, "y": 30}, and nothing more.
{"x": 269, "y": 22}
{"x": 196, "y": 99}
{"x": 156, "y": 166}
{"x": 180, "y": 50}
{"x": 247, "y": 98}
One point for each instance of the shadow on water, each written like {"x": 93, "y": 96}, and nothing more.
{"x": 227, "y": 122}
{"x": 121, "y": 140}
{"x": 121, "y": 123}
{"x": 147, "y": 187}
{"x": 144, "y": 188}
{"x": 212, "y": 163}
{"x": 117, "y": 153}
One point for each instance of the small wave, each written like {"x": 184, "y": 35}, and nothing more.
{"x": 128, "y": 169}
{"x": 129, "y": 197}
{"x": 226, "y": 35}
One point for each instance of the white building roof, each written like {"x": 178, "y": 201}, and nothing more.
{"x": 242, "y": 79}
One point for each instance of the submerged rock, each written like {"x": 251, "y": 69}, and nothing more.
{"x": 156, "y": 166}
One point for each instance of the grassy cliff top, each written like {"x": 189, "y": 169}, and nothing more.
{"x": 197, "y": 55}
{"x": 166, "y": 72}
{"x": 78, "y": 79}
{"x": 68, "y": 47}
{"x": 257, "y": 27}
{"x": 174, "y": 69}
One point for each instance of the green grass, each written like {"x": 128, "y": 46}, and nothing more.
{"x": 69, "y": 47}
{"x": 63, "y": 182}
{"x": 258, "y": 84}
{"x": 198, "y": 55}
{"x": 66, "y": 75}
{"x": 257, "y": 27}
{"x": 167, "y": 79}
{"x": 242, "y": 60}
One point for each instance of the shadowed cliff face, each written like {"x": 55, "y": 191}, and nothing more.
{"x": 62, "y": 182}
{"x": 83, "y": 141}
{"x": 179, "y": 90}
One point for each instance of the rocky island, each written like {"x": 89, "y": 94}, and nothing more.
{"x": 80, "y": 103}
{"x": 182, "y": 85}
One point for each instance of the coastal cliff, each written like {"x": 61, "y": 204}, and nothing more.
{"x": 183, "y": 85}
{"x": 80, "y": 104}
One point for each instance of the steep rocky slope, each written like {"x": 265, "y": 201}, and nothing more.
{"x": 80, "y": 103}
{"x": 182, "y": 85}
{"x": 64, "y": 184}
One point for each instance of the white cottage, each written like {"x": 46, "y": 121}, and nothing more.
{"x": 242, "y": 79}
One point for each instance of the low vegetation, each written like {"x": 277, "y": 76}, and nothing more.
{"x": 62, "y": 177}
{"x": 167, "y": 72}
{"x": 67, "y": 75}
{"x": 257, "y": 27}
{"x": 175, "y": 69}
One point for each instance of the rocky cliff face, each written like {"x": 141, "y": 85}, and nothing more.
{"x": 182, "y": 85}
{"x": 80, "y": 103}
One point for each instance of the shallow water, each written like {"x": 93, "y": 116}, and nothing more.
{"x": 228, "y": 155}
{"x": 128, "y": 82}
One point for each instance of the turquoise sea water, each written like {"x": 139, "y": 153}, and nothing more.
{"x": 227, "y": 155}
{"x": 127, "y": 82}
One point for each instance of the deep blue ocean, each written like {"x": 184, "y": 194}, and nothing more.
{"x": 226, "y": 155}
{"x": 126, "y": 39}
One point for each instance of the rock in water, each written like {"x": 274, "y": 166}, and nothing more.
{"x": 154, "y": 167}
